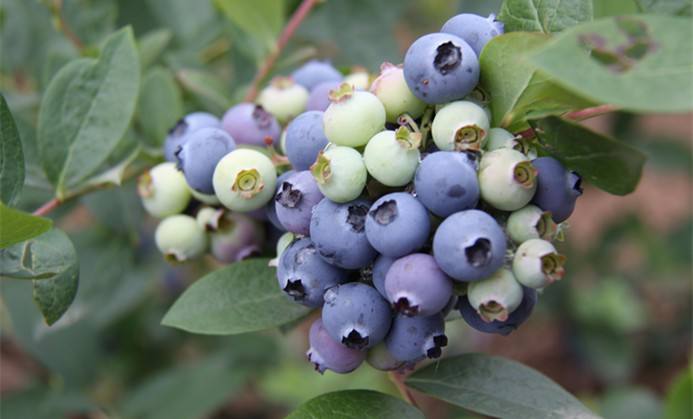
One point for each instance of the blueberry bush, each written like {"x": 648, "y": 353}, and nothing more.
{"x": 194, "y": 195}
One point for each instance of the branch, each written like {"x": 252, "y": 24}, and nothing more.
{"x": 56, "y": 7}
{"x": 47, "y": 207}
{"x": 296, "y": 19}
{"x": 579, "y": 115}
{"x": 397, "y": 379}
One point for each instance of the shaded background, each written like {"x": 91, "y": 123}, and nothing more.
{"x": 616, "y": 331}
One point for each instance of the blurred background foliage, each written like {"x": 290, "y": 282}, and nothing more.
{"x": 616, "y": 331}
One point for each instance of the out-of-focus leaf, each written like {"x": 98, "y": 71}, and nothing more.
{"x": 187, "y": 19}
{"x": 669, "y": 7}
{"x": 604, "y": 8}
{"x": 356, "y": 404}
{"x": 262, "y": 19}
{"x": 17, "y": 226}
{"x": 611, "y": 304}
{"x": 610, "y": 356}
{"x": 11, "y": 157}
{"x": 544, "y": 16}
{"x": 678, "y": 401}
{"x": 159, "y": 107}
{"x": 44, "y": 403}
{"x": 91, "y": 20}
{"x": 207, "y": 88}
{"x": 632, "y": 403}
{"x": 152, "y": 44}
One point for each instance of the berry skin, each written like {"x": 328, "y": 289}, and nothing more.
{"x": 249, "y": 123}
{"x": 283, "y": 98}
{"x": 514, "y": 320}
{"x": 210, "y": 199}
{"x": 359, "y": 78}
{"x": 356, "y": 315}
{"x": 392, "y": 157}
{"x": 380, "y": 267}
{"x": 180, "y": 238}
{"x": 319, "y": 98}
{"x": 315, "y": 72}
{"x": 237, "y": 237}
{"x": 530, "y": 222}
{"x": 200, "y": 154}
{"x": 495, "y": 297}
{"x": 446, "y": 183}
{"x": 460, "y": 126}
{"x": 245, "y": 180}
{"x": 412, "y": 339}
{"x": 474, "y": 29}
{"x": 392, "y": 90}
{"x": 339, "y": 234}
{"x": 340, "y": 173}
{"x": 397, "y": 224}
{"x": 326, "y": 354}
{"x": 305, "y": 138}
{"x": 416, "y": 286}
{"x": 557, "y": 188}
{"x": 500, "y": 138}
{"x": 469, "y": 245}
{"x": 507, "y": 179}
{"x": 283, "y": 243}
{"x": 294, "y": 201}
{"x": 304, "y": 276}
{"x": 381, "y": 359}
{"x": 440, "y": 68}
{"x": 353, "y": 117}
{"x": 163, "y": 190}
{"x": 185, "y": 126}
{"x": 271, "y": 207}
{"x": 537, "y": 264}
{"x": 209, "y": 218}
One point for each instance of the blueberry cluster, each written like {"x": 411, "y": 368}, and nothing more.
{"x": 386, "y": 231}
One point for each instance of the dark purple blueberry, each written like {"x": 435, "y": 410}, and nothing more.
{"x": 515, "y": 319}
{"x": 416, "y": 286}
{"x": 557, "y": 188}
{"x": 326, "y": 354}
{"x": 249, "y": 123}
{"x": 412, "y": 339}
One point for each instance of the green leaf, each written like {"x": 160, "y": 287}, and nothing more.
{"x": 86, "y": 110}
{"x": 608, "y": 164}
{"x": 517, "y": 90}
{"x": 152, "y": 44}
{"x": 671, "y": 7}
{"x": 159, "y": 107}
{"x": 497, "y": 387}
{"x": 91, "y": 20}
{"x": 45, "y": 403}
{"x": 639, "y": 63}
{"x": 17, "y": 226}
{"x": 678, "y": 400}
{"x": 546, "y": 16}
{"x": 262, "y": 19}
{"x": 356, "y": 404}
{"x": 242, "y": 297}
{"x": 187, "y": 19}
{"x": 207, "y": 88}
{"x": 604, "y": 8}
{"x": 11, "y": 156}
{"x": 631, "y": 403}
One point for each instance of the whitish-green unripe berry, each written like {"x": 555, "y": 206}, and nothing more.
{"x": 359, "y": 78}
{"x": 537, "y": 264}
{"x": 531, "y": 222}
{"x": 392, "y": 90}
{"x": 163, "y": 190}
{"x": 210, "y": 199}
{"x": 283, "y": 98}
{"x": 209, "y": 218}
{"x": 353, "y": 117}
{"x": 460, "y": 126}
{"x": 507, "y": 179}
{"x": 494, "y": 298}
{"x": 244, "y": 180}
{"x": 392, "y": 157}
{"x": 180, "y": 238}
{"x": 340, "y": 173}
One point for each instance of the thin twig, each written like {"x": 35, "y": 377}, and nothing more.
{"x": 296, "y": 19}
{"x": 47, "y": 207}
{"x": 57, "y": 9}
{"x": 397, "y": 379}
{"x": 578, "y": 115}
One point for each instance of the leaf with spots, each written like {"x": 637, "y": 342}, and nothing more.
{"x": 356, "y": 404}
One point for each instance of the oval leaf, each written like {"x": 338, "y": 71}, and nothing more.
{"x": 242, "y": 297}
{"x": 160, "y": 105}
{"x": 497, "y": 387}
{"x": 639, "y": 63}
{"x": 11, "y": 156}
{"x": 356, "y": 404}
{"x": 544, "y": 16}
{"x": 17, "y": 226}
{"x": 207, "y": 88}
{"x": 86, "y": 110}
{"x": 606, "y": 163}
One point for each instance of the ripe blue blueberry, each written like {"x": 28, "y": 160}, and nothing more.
{"x": 236, "y": 237}
{"x": 507, "y": 179}
{"x": 295, "y": 198}
{"x": 379, "y": 272}
{"x": 319, "y": 98}
{"x": 163, "y": 190}
{"x": 557, "y": 188}
{"x": 446, "y": 183}
{"x": 469, "y": 245}
{"x": 305, "y": 138}
{"x": 397, "y": 224}
{"x": 412, "y": 339}
{"x": 185, "y": 126}
{"x": 339, "y": 234}
{"x": 271, "y": 208}
{"x": 245, "y": 180}
{"x": 416, "y": 286}
{"x": 304, "y": 276}
{"x": 392, "y": 157}
{"x": 537, "y": 264}
{"x": 460, "y": 126}
{"x": 514, "y": 320}
{"x": 356, "y": 315}
{"x": 476, "y": 30}
{"x": 495, "y": 297}
{"x": 440, "y": 68}
{"x": 340, "y": 172}
{"x": 200, "y": 154}
{"x": 353, "y": 117}
{"x": 315, "y": 72}
{"x": 251, "y": 124}
{"x": 326, "y": 354}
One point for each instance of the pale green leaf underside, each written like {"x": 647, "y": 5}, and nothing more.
{"x": 356, "y": 404}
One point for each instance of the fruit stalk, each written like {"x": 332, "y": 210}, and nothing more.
{"x": 397, "y": 379}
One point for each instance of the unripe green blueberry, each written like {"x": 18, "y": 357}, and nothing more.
{"x": 381, "y": 359}
{"x": 359, "y": 78}
{"x": 460, "y": 126}
{"x": 284, "y": 242}
{"x": 209, "y": 218}
{"x": 244, "y": 180}
{"x": 537, "y": 264}
{"x": 392, "y": 157}
{"x": 531, "y": 222}
{"x": 353, "y": 117}
{"x": 210, "y": 199}
{"x": 180, "y": 238}
{"x": 340, "y": 173}
{"x": 392, "y": 90}
{"x": 495, "y": 297}
{"x": 507, "y": 179}
{"x": 163, "y": 190}
{"x": 500, "y": 138}
{"x": 283, "y": 98}
{"x": 282, "y": 143}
